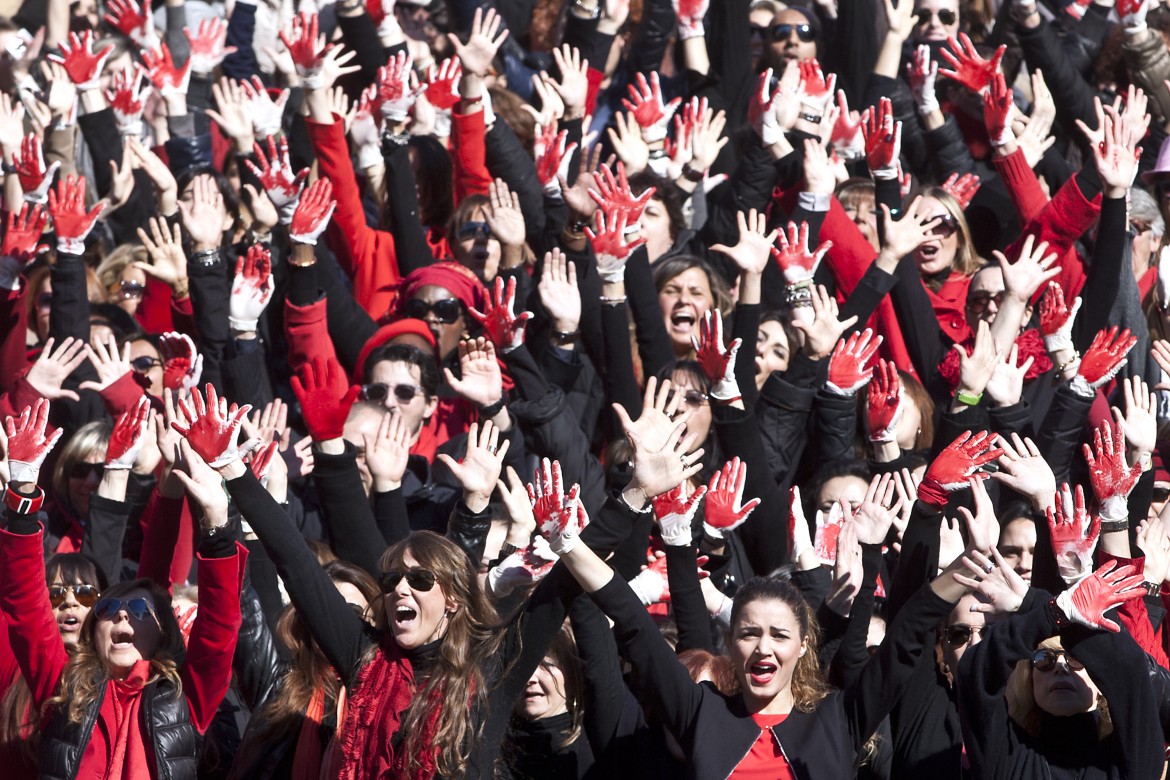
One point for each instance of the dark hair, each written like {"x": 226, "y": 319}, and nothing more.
{"x": 70, "y": 568}
{"x": 428, "y": 369}
{"x": 667, "y": 192}
{"x": 669, "y": 268}
{"x": 1018, "y": 509}
{"x": 434, "y": 179}
{"x": 832, "y": 470}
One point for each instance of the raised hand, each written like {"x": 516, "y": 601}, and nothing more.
{"x": 573, "y": 86}
{"x": 1074, "y": 534}
{"x": 725, "y": 508}
{"x": 326, "y": 397}
{"x": 552, "y": 157}
{"x": 613, "y": 243}
{"x": 967, "y": 67}
{"x": 53, "y": 367}
{"x": 35, "y": 177}
{"x": 613, "y": 194}
{"x": 28, "y": 444}
{"x": 1108, "y": 587}
{"x": 503, "y": 216}
{"x": 921, "y": 73}
{"x": 1024, "y": 470}
{"x": 657, "y": 470}
{"x": 182, "y": 363}
{"x": 267, "y": 114}
{"x": 1133, "y": 14}
{"x": 1104, "y": 358}
{"x": 690, "y": 15}
{"x": 674, "y": 512}
{"x": 1111, "y": 478}
{"x": 800, "y": 543}
{"x": 442, "y": 88}
{"x": 994, "y": 579}
{"x": 307, "y": 48}
{"x": 251, "y": 289}
{"x": 762, "y": 114}
{"x": 718, "y": 364}
{"x": 502, "y": 325}
{"x": 646, "y": 106}
{"x": 481, "y": 381}
{"x": 81, "y": 62}
{"x": 1155, "y": 546}
{"x": 207, "y": 45}
{"x": 559, "y": 516}
{"x": 849, "y": 366}
{"x": 1006, "y": 384}
{"x": 204, "y": 214}
{"x": 960, "y": 459}
{"x": 755, "y": 243}
{"x": 828, "y": 528}
{"x": 652, "y": 584}
{"x": 71, "y": 221}
{"x": 998, "y": 111}
{"x": 885, "y": 404}
{"x": 129, "y": 90}
{"x": 167, "y": 77}
{"x": 816, "y": 91}
{"x": 164, "y": 247}
{"x": 962, "y": 188}
{"x": 793, "y": 255}
{"x": 847, "y": 138}
{"x": 262, "y": 460}
{"x": 480, "y": 468}
{"x": 214, "y": 427}
{"x": 1139, "y": 422}
{"x": 21, "y": 242}
{"x": 313, "y": 212}
{"x": 522, "y": 568}
{"x": 1056, "y": 319}
{"x": 983, "y": 525}
{"x": 883, "y": 139}
{"x": 128, "y": 437}
{"x": 397, "y": 88}
{"x": 825, "y": 328}
{"x": 109, "y": 364}
{"x": 482, "y": 44}
{"x": 133, "y": 21}
{"x": 387, "y": 452}
{"x": 282, "y": 185}
{"x": 874, "y": 517}
{"x": 559, "y": 293}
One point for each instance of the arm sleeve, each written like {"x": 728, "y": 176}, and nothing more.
{"x": 686, "y": 599}
{"x": 353, "y": 532}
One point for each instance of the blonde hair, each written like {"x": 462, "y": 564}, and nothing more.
{"x": 966, "y": 261}
{"x": 90, "y": 439}
{"x": 109, "y": 273}
{"x": 1021, "y": 697}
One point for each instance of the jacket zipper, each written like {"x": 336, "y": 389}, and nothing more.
{"x": 784, "y": 753}
{"x": 749, "y": 750}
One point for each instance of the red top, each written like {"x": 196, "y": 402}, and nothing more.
{"x": 766, "y": 760}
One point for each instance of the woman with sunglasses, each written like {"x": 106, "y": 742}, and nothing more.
{"x": 130, "y": 701}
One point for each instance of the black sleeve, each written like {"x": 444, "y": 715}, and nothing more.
{"x": 601, "y": 669}
{"x": 750, "y": 186}
{"x": 1103, "y": 279}
{"x": 621, "y": 387}
{"x": 102, "y": 538}
{"x": 361, "y": 35}
{"x": 1072, "y": 95}
{"x": 853, "y": 653}
{"x": 835, "y": 421}
{"x": 469, "y": 530}
{"x": 507, "y": 159}
{"x": 948, "y": 151}
{"x": 686, "y": 599}
{"x": 353, "y": 533}
{"x": 782, "y": 415}
{"x": 918, "y": 562}
{"x": 746, "y": 327}
{"x": 245, "y": 373}
{"x": 256, "y": 666}
{"x": 918, "y": 324}
{"x": 654, "y": 345}
{"x": 874, "y": 285}
{"x": 391, "y": 516}
{"x": 338, "y": 631}
{"x": 211, "y": 288}
{"x": 402, "y": 211}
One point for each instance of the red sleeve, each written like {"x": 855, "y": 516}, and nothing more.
{"x": 1022, "y": 185}
{"x": 207, "y": 671}
{"x": 183, "y": 318}
{"x": 9, "y": 668}
{"x": 122, "y": 395}
{"x": 369, "y": 258}
{"x": 13, "y": 326}
{"x": 168, "y": 540}
{"x": 1132, "y": 614}
{"x": 24, "y": 600}
{"x": 307, "y": 332}
{"x": 850, "y": 255}
{"x": 469, "y": 154}
{"x": 154, "y": 313}
{"x": 595, "y": 77}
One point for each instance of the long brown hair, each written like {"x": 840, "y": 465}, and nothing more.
{"x": 1021, "y": 697}
{"x": 456, "y": 682}
{"x": 85, "y": 674}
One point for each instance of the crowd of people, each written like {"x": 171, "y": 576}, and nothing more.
{"x": 379, "y": 400}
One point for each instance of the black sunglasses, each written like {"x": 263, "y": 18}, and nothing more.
{"x": 475, "y": 230}
{"x": 780, "y": 32}
{"x": 86, "y": 595}
{"x": 446, "y": 311}
{"x": 421, "y": 580}
{"x": 83, "y": 470}
{"x": 131, "y": 289}
{"x": 1045, "y": 661}
{"x": 978, "y": 302}
{"x": 144, "y": 363}
{"x": 945, "y": 228}
{"x": 959, "y": 634}
{"x": 946, "y": 16}
{"x": 379, "y": 390}
{"x": 137, "y": 608}
{"x": 691, "y": 398}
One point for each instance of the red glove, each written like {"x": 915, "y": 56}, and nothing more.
{"x": 326, "y": 397}
{"x": 1111, "y": 478}
{"x": 646, "y": 106}
{"x": 792, "y": 254}
{"x": 182, "y": 363}
{"x": 1108, "y": 587}
{"x": 167, "y": 77}
{"x": 128, "y": 99}
{"x": 718, "y": 364}
{"x": 1056, "y": 319}
{"x": 23, "y": 234}
{"x": 521, "y": 568}
{"x": 135, "y": 23}
{"x": 560, "y": 517}
{"x": 849, "y": 366}
{"x": 961, "y": 459}
{"x": 207, "y": 45}
{"x": 552, "y": 156}
{"x": 313, "y": 213}
{"x": 70, "y": 219}
{"x": 443, "y": 84}
{"x": 306, "y": 47}
{"x": 1133, "y": 14}
{"x": 262, "y": 461}
{"x": 128, "y": 436}
{"x": 815, "y": 90}
{"x": 396, "y": 94}
{"x": 251, "y": 289}
{"x": 674, "y": 512}
{"x": 612, "y": 243}
{"x": 725, "y": 508}
{"x": 969, "y": 69}
{"x": 962, "y": 188}
{"x": 1104, "y": 358}
{"x": 762, "y": 110}
{"x": 214, "y": 427}
{"x": 652, "y": 584}
{"x": 502, "y": 326}
{"x": 885, "y": 404}
{"x": 614, "y": 193}
{"x": 883, "y": 139}
{"x": 35, "y": 178}
{"x": 276, "y": 174}
{"x": 997, "y": 111}
{"x": 27, "y": 443}
{"x": 828, "y": 529}
{"x": 690, "y": 15}
{"x": 83, "y": 65}
{"x": 847, "y": 138}
{"x": 1074, "y": 535}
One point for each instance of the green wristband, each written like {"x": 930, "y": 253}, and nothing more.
{"x": 968, "y": 399}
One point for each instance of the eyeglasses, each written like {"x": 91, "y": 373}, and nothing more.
{"x": 358, "y": 610}
{"x": 378, "y": 391}
{"x": 86, "y": 595}
{"x": 692, "y": 398}
{"x": 144, "y": 363}
{"x": 1161, "y": 495}
{"x": 446, "y": 311}
{"x": 946, "y": 16}
{"x": 138, "y": 608}
{"x": 780, "y": 32}
{"x": 959, "y": 634}
{"x": 83, "y": 470}
{"x": 945, "y": 228}
{"x": 421, "y": 580}
{"x": 1045, "y": 661}
{"x": 977, "y": 302}
{"x": 44, "y": 300}
{"x": 475, "y": 230}
{"x": 131, "y": 289}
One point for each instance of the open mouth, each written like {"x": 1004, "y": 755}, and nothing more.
{"x": 404, "y": 616}
{"x": 928, "y": 251}
{"x": 762, "y": 672}
{"x": 682, "y": 319}
{"x": 122, "y": 639}
{"x": 69, "y": 623}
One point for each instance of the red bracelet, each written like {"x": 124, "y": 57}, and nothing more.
{"x": 23, "y": 505}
